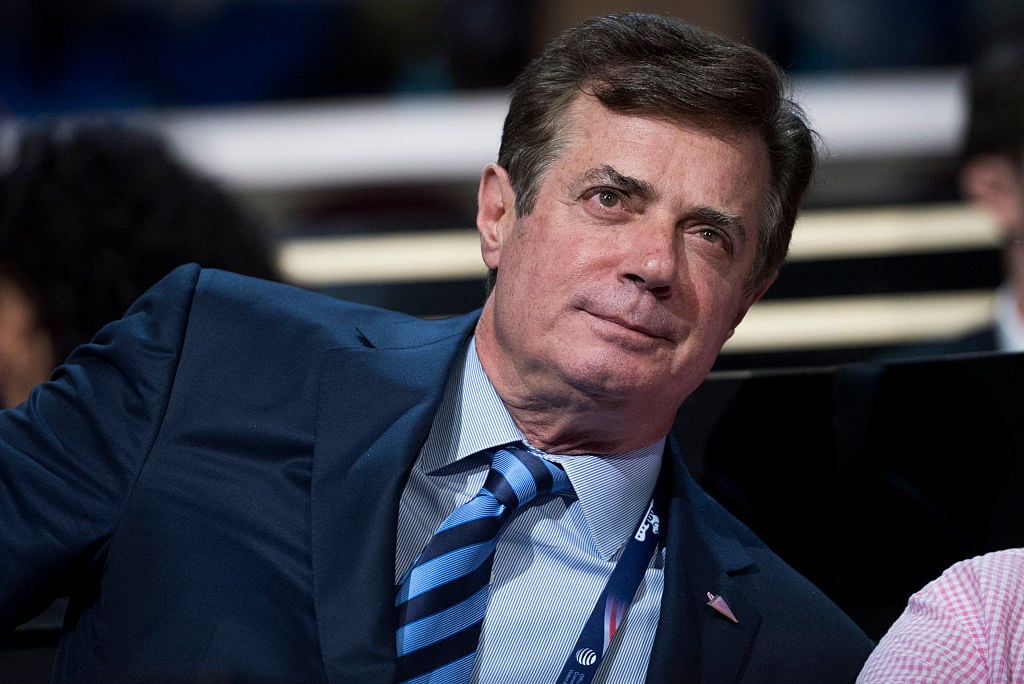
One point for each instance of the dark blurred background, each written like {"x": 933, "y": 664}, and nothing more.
{"x": 67, "y": 56}
{"x": 344, "y": 121}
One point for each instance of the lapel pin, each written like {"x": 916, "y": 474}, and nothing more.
{"x": 719, "y": 604}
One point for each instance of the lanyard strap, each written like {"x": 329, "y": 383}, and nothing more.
{"x": 612, "y": 604}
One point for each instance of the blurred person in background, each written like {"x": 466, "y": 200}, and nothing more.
{"x": 92, "y": 215}
{"x": 992, "y": 176}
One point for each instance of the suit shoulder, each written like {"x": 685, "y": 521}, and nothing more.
{"x": 293, "y": 315}
{"x": 235, "y": 289}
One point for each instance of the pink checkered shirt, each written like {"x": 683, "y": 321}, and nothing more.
{"x": 965, "y": 626}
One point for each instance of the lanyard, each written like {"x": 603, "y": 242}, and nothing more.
{"x": 612, "y": 604}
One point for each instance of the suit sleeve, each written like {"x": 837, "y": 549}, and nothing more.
{"x": 70, "y": 455}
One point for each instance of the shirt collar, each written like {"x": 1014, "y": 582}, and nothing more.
{"x": 613, "y": 490}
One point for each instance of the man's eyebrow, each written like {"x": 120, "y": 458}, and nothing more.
{"x": 632, "y": 186}
{"x": 722, "y": 219}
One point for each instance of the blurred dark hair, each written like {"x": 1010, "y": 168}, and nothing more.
{"x": 92, "y": 215}
{"x": 662, "y": 67}
{"x": 995, "y": 123}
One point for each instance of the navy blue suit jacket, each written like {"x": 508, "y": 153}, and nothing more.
{"x": 215, "y": 481}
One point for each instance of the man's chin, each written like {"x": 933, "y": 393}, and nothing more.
{"x": 613, "y": 379}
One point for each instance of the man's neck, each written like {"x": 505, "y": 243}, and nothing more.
{"x": 560, "y": 417}
{"x": 574, "y": 423}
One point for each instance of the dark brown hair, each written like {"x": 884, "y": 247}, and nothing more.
{"x": 662, "y": 67}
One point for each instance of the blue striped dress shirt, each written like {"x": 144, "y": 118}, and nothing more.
{"x": 554, "y": 558}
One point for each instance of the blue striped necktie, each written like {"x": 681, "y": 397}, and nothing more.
{"x": 442, "y": 598}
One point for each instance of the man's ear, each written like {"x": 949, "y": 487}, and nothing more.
{"x": 495, "y": 212}
{"x": 749, "y": 300}
{"x": 994, "y": 184}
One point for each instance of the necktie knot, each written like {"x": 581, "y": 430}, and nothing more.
{"x": 517, "y": 477}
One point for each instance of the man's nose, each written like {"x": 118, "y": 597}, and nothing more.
{"x": 652, "y": 261}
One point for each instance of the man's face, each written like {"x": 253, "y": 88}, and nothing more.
{"x": 628, "y": 276}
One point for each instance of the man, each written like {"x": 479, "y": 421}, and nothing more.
{"x": 992, "y": 176}
{"x": 244, "y": 480}
{"x": 91, "y": 216}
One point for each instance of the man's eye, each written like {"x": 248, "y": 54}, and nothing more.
{"x": 710, "y": 235}
{"x": 607, "y": 198}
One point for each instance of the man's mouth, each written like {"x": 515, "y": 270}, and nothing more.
{"x": 648, "y": 330}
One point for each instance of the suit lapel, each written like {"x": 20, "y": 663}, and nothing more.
{"x": 695, "y": 642}
{"x": 375, "y": 410}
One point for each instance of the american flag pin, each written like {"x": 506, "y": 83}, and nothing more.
{"x": 719, "y": 604}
